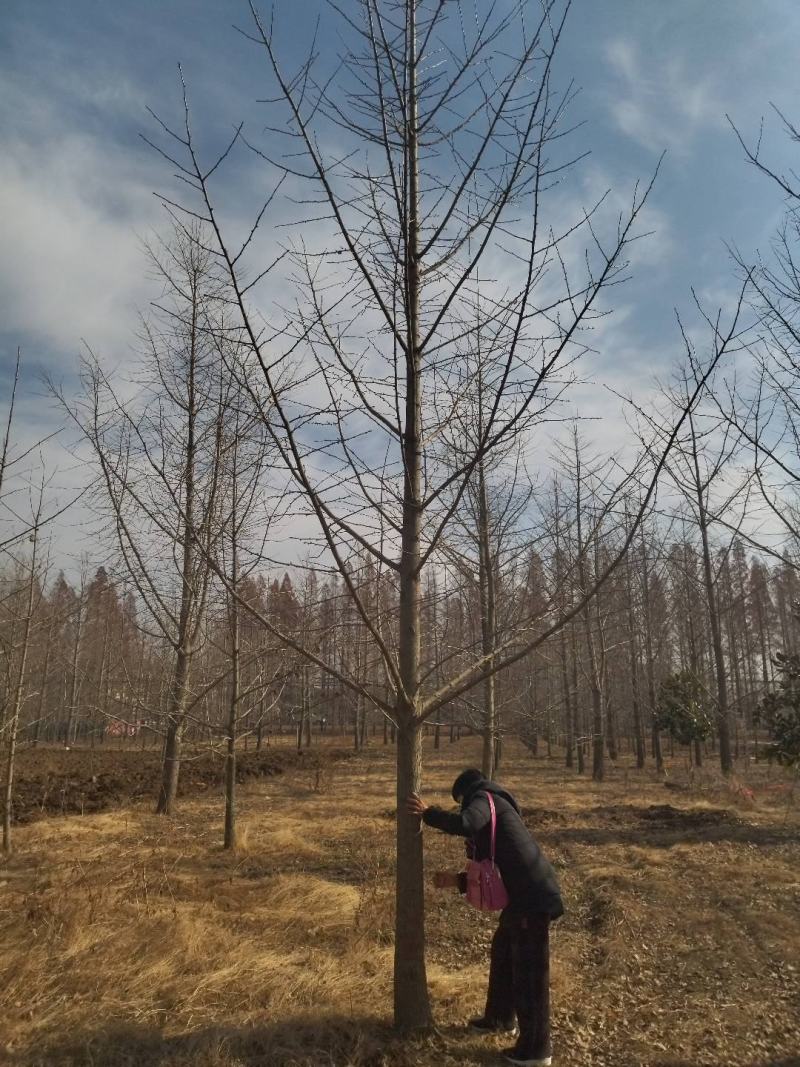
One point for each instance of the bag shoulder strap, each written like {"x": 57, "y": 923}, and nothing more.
{"x": 494, "y": 823}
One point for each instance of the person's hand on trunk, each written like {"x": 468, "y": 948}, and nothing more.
{"x": 415, "y": 806}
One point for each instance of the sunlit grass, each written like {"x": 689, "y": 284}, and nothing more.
{"x": 129, "y": 939}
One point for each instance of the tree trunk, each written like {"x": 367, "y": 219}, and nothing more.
{"x": 229, "y": 839}
{"x": 306, "y": 708}
{"x": 487, "y": 605}
{"x": 611, "y": 723}
{"x": 598, "y": 726}
{"x": 37, "y": 730}
{"x": 649, "y": 656}
{"x": 576, "y": 703}
{"x": 633, "y": 660}
{"x": 411, "y": 1003}
{"x": 412, "y": 1008}
{"x": 723, "y": 722}
{"x": 598, "y": 740}
{"x": 73, "y": 697}
{"x": 12, "y": 724}
{"x": 569, "y": 758}
{"x": 173, "y": 742}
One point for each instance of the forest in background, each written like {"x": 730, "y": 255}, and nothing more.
{"x": 96, "y": 675}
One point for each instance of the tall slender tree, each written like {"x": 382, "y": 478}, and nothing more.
{"x": 437, "y": 168}
{"x": 158, "y": 455}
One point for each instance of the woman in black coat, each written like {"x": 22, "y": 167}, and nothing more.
{"x": 519, "y": 974}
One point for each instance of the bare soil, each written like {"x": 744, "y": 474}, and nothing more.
{"x": 53, "y": 780}
{"x": 127, "y": 940}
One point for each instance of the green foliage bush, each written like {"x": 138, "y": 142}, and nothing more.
{"x": 682, "y": 710}
{"x": 780, "y": 710}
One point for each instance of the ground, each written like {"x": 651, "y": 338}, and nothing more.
{"x": 128, "y": 939}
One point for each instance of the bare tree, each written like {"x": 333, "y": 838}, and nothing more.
{"x": 20, "y": 468}
{"x": 158, "y": 454}
{"x": 701, "y": 468}
{"x": 489, "y": 535}
{"x": 27, "y": 506}
{"x": 445, "y": 155}
{"x": 764, "y": 410}
{"x": 28, "y": 594}
{"x": 634, "y": 657}
{"x": 245, "y": 528}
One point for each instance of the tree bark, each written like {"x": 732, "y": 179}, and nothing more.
{"x": 174, "y": 737}
{"x": 633, "y": 656}
{"x": 229, "y": 839}
{"x": 412, "y": 1008}
{"x": 649, "y": 656}
{"x": 723, "y": 722}
{"x": 487, "y": 605}
{"x": 73, "y": 696}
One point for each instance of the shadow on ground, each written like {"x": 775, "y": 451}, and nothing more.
{"x": 340, "y": 1041}
{"x": 793, "y": 1061}
{"x": 662, "y": 825}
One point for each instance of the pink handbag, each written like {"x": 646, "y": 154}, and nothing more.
{"x": 485, "y": 889}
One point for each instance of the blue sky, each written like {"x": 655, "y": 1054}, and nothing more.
{"x": 76, "y": 180}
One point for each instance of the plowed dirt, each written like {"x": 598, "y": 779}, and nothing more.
{"x": 80, "y": 781}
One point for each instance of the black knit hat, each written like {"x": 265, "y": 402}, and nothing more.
{"x": 470, "y": 777}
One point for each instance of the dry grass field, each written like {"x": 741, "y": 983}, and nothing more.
{"x": 126, "y": 939}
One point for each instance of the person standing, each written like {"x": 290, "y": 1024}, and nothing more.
{"x": 519, "y": 972}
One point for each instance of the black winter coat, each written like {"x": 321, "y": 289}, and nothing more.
{"x": 528, "y": 876}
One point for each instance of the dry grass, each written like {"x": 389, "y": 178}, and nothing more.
{"x": 131, "y": 940}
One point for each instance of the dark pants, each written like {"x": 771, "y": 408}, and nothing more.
{"x": 519, "y": 980}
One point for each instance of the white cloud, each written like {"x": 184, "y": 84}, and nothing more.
{"x": 73, "y": 205}
{"x": 661, "y": 102}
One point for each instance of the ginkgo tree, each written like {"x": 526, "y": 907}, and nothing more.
{"x": 424, "y": 170}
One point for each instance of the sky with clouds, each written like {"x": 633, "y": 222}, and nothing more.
{"x": 77, "y": 181}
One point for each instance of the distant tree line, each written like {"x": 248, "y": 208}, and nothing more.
{"x": 96, "y": 674}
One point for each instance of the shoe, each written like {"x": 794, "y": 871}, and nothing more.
{"x": 491, "y": 1026}
{"x": 519, "y": 1060}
